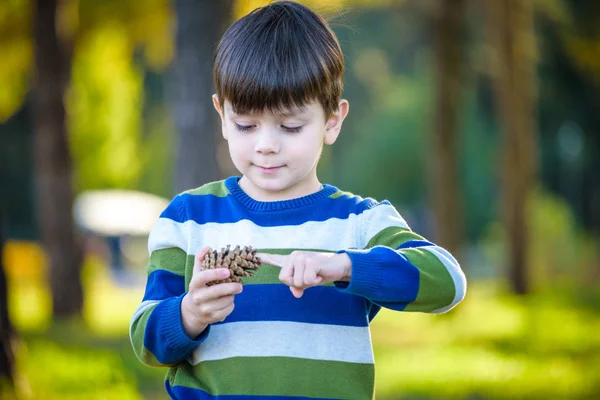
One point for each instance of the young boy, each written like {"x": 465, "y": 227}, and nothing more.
{"x": 331, "y": 260}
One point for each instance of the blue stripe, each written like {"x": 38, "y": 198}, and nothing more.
{"x": 399, "y": 278}
{"x": 174, "y": 210}
{"x": 162, "y": 284}
{"x": 318, "y": 305}
{"x": 411, "y": 244}
{"x": 209, "y": 208}
{"x": 182, "y": 392}
{"x": 402, "y": 278}
{"x": 164, "y": 335}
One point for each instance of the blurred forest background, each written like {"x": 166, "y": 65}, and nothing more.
{"x": 478, "y": 120}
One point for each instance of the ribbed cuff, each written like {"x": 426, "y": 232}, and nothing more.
{"x": 176, "y": 340}
{"x": 366, "y": 274}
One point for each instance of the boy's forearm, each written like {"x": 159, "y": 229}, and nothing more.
{"x": 415, "y": 279}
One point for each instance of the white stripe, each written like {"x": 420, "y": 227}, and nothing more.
{"x": 332, "y": 234}
{"x": 380, "y": 217}
{"x": 167, "y": 233}
{"x": 145, "y": 305}
{"x": 285, "y": 339}
{"x": 458, "y": 276}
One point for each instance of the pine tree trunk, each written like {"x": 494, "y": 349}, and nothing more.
{"x": 445, "y": 192}
{"x": 6, "y": 331}
{"x": 200, "y": 24}
{"x": 512, "y": 35}
{"x": 53, "y": 165}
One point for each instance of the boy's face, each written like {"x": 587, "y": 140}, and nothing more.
{"x": 277, "y": 153}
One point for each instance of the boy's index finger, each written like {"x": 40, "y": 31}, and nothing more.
{"x": 276, "y": 260}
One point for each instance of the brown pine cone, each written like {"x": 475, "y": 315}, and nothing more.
{"x": 242, "y": 262}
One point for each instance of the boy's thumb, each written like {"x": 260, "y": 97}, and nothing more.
{"x": 200, "y": 256}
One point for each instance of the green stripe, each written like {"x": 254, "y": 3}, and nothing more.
{"x": 190, "y": 259}
{"x": 393, "y": 236}
{"x": 137, "y": 338}
{"x": 172, "y": 259}
{"x": 436, "y": 287}
{"x": 341, "y": 193}
{"x": 266, "y": 274}
{"x": 215, "y": 188}
{"x": 278, "y": 376}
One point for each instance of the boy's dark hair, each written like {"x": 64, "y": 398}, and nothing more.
{"x": 279, "y": 56}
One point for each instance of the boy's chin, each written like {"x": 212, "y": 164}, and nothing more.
{"x": 272, "y": 186}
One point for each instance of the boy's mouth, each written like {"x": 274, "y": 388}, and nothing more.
{"x": 269, "y": 170}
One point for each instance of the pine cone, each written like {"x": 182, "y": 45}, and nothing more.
{"x": 241, "y": 263}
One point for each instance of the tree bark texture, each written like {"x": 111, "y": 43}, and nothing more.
{"x": 512, "y": 36}
{"x": 445, "y": 191}
{"x": 53, "y": 165}
{"x": 200, "y": 24}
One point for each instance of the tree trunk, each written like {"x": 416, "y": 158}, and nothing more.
{"x": 446, "y": 189}
{"x": 7, "y": 359}
{"x": 53, "y": 165}
{"x": 200, "y": 24}
{"x": 512, "y": 35}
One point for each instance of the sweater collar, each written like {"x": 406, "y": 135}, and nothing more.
{"x": 232, "y": 184}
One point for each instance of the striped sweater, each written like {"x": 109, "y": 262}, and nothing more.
{"x": 274, "y": 344}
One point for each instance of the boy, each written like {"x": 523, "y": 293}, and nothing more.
{"x": 278, "y": 74}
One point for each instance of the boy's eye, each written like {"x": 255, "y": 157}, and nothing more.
{"x": 289, "y": 129}
{"x": 243, "y": 128}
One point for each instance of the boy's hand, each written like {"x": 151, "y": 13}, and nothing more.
{"x": 204, "y": 305}
{"x": 303, "y": 269}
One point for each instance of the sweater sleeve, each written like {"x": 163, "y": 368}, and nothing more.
{"x": 401, "y": 270}
{"x": 156, "y": 331}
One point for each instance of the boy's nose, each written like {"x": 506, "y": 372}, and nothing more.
{"x": 267, "y": 142}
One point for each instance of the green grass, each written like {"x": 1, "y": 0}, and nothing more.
{"x": 493, "y": 346}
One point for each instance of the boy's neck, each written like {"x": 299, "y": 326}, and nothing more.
{"x": 301, "y": 189}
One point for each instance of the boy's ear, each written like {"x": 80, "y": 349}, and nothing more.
{"x": 217, "y": 106}
{"x": 334, "y": 122}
